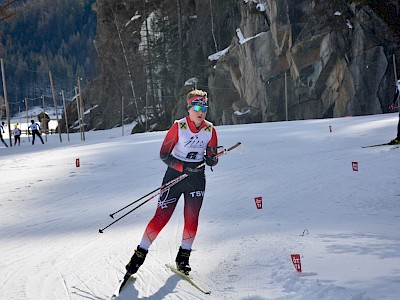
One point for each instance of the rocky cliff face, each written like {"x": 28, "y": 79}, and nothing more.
{"x": 308, "y": 59}
{"x": 116, "y": 46}
{"x": 279, "y": 59}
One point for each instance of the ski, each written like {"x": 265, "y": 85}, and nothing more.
{"x": 188, "y": 279}
{"x": 121, "y": 284}
{"x": 377, "y": 145}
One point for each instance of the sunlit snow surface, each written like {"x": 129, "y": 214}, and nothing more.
{"x": 343, "y": 223}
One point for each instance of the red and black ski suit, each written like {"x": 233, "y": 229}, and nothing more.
{"x": 184, "y": 147}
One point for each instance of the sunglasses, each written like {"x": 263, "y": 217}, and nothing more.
{"x": 200, "y": 108}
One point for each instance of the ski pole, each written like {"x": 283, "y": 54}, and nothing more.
{"x": 170, "y": 183}
{"x": 136, "y": 207}
{"x": 162, "y": 189}
{"x": 165, "y": 187}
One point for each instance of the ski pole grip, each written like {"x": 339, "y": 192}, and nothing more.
{"x": 229, "y": 149}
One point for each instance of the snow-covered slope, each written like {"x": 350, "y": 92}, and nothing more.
{"x": 343, "y": 223}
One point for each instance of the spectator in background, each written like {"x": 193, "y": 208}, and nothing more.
{"x": 17, "y": 135}
{"x": 35, "y": 128}
{"x": 1, "y": 136}
{"x": 392, "y": 106}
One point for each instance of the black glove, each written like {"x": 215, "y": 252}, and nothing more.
{"x": 211, "y": 160}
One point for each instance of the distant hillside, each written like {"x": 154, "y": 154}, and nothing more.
{"x": 259, "y": 61}
{"x": 48, "y": 35}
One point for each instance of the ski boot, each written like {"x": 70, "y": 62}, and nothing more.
{"x": 136, "y": 261}
{"x": 182, "y": 261}
{"x": 396, "y": 141}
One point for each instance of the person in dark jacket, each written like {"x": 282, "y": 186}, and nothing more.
{"x": 35, "y": 129}
{"x": 392, "y": 106}
{"x": 1, "y": 136}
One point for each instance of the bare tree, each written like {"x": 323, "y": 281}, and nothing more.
{"x": 179, "y": 72}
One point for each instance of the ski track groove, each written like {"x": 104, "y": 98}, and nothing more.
{"x": 64, "y": 284}
{"x": 70, "y": 259}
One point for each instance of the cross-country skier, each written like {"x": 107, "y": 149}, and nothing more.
{"x": 35, "y": 131}
{"x": 1, "y": 136}
{"x": 189, "y": 142}
{"x": 396, "y": 140}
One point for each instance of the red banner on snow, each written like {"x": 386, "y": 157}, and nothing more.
{"x": 355, "y": 166}
{"x": 77, "y": 163}
{"x": 296, "y": 262}
{"x": 258, "y": 201}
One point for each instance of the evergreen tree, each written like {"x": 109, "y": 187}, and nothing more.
{"x": 48, "y": 35}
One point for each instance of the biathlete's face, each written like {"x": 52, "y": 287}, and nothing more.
{"x": 197, "y": 113}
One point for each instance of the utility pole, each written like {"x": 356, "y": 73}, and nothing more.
{"x": 395, "y": 77}
{"x": 27, "y": 118}
{"x": 55, "y": 105}
{"x": 286, "y": 99}
{"x": 122, "y": 115}
{"x": 78, "y": 111}
{"x": 65, "y": 113}
{"x": 6, "y": 101}
{"x": 146, "y": 111}
{"x": 81, "y": 108}
{"x": 44, "y": 123}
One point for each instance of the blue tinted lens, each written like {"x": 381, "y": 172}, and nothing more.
{"x": 200, "y": 108}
